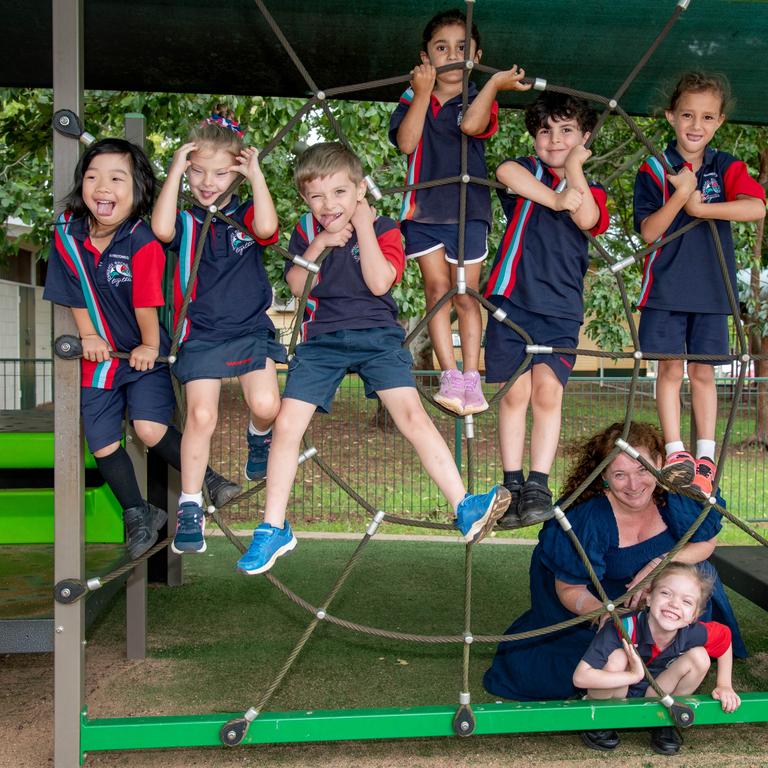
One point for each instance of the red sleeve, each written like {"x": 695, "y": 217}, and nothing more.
{"x": 493, "y": 123}
{"x": 248, "y": 221}
{"x": 391, "y": 244}
{"x": 718, "y": 638}
{"x": 148, "y": 265}
{"x": 738, "y": 182}
{"x": 604, "y": 219}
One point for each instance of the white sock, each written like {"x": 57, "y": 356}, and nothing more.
{"x": 253, "y": 431}
{"x": 705, "y": 448}
{"x": 197, "y": 498}
{"x": 674, "y": 447}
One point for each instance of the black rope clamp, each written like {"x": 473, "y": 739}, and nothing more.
{"x": 68, "y": 591}
{"x": 682, "y": 714}
{"x": 69, "y": 347}
{"x": 232, "y": 733}
{"x": 464, "y": 721}
{"x": 67, "y": 123}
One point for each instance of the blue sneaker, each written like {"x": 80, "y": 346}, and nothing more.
{"x": 190, "y": 527}
{"x": 268, "y": 544}
{"x": 477, "y": 514}
{"x": 258, "y": 453}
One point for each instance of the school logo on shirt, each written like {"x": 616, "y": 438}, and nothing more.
{"x": 118, "y": 272}
{"x": 238, "y": 241}
{"x": 356, "y": 252}
{"x": 711, "y": 190}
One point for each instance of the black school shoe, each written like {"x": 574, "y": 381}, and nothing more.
{"x": 603, "y": 741}
{"x": 220, "y": 489}
{"x": 141, "y": 527}
{"x": 511, "y": 518}
{"x": 535, "y": 503}
{"x": 666, "y": 740}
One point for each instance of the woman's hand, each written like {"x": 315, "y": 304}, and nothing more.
{"x": 637, "y": 599}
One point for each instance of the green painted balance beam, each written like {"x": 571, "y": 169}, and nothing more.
{"x": 104, "y": 734}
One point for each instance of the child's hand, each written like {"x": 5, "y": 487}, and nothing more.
{"x": 423, "y": 79}
{"x": 181, "y": 160}
{"x": 95, "y": 349}
{"x": 509, "y": 80}
{"x": 728, "y": 698}
{"x": 335, "y": 239}
{"x": 695, "y": 204}
{"x": 143, "y": 357}
{"x": 576, "y": 158}
{"x": 247, "y": 163}
{"x": 635, "y": 664}
{"x": 364, "y": 215}
{"x": 570, "y": 199}
{"x": 684, "y": 181}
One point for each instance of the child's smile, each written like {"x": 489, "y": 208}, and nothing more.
{"x": 696, "y": 118}
{"x": 108, "y": 189}
{"x": 333, "y": 199}
{"x": 210, "y": 174}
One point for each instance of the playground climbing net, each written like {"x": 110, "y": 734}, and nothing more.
{"x": 234, "y": 731}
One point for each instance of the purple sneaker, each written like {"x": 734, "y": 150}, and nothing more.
{"x": 451, "y": 392}
{"x": 474, "y": 402}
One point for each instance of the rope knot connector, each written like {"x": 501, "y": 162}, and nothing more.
{"x": 373, "y": 187}
{"x": 213, "y": 208}
{"x": 622, "y": 264}
{"x": 469, "y": 426}
{"x": 539, "y": 84}
{"x": 627, "y": 448}
{"x": 373, "y": 526}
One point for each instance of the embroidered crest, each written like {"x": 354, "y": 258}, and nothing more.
{"x": 356, "y": 252}
{"x": 118, "y": 272}
{"x": 238, "y": 241}
{"x": 711, "y": 190}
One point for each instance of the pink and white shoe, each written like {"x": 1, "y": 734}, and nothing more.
{"x": 451, "y": 392}
{"x": 474, "y": 401}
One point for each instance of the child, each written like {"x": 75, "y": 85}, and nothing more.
{"x": 537, "y": 279}
{"x": 106, "y": 265}
{"x": 683, "y": 299}
{"x": 674, "y": 646}
{"x": 426, "y": 126}
{"x": 226, "y": 331}
{"x": 351, "y": 325}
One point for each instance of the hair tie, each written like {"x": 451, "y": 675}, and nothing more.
{"x": 225, "y": 122}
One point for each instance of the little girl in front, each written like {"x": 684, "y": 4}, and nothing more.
{"x": 226, "y": 331}
{"x": 683, "y": 300}
{"x": 674, "y": 646}
{"x": 106, "y": 265}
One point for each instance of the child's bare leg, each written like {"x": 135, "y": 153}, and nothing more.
{"x": 512, "y": 411}
{"x": 469, "y": 316}
{"x": 668, "y": 383}
{"x": 437, "y": 282}
{"x": 291, "y": 423}
{"x": 202, "y": 414}
{"x": 262, "y": 395}
{"x": 703, "y": 399}
{"x": 617, "y": 662}
{"x": 684, "y": 675}
{"x": 546, "y": 405}
{"x": 149, "y": 432}
{"x": 412, "y": 420}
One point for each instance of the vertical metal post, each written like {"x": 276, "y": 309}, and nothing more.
{"x": 136, "y": 586}
{"x": 69, "y": 549}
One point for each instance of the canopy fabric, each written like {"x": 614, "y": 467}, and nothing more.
{"x": 227, "y": 46}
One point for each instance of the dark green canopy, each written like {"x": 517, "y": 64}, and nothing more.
{"x": 227, "y": 47}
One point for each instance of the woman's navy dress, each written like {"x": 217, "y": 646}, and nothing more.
{"x": 542, "y": 667}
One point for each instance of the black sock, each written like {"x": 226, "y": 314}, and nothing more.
{"x": 117, "y": 470}
{"x": 514, "y": 476}
{"x": 539, "y": 477}
{"x": 168, "y": 448}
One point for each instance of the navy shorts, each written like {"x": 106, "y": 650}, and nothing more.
{"x": 148, "y": 397}
{"x": 505, "y": 349}
{"x": 421, "y": 239}
{"x": 677, "y": 333}
{"x": 377, "y": 355}
{"x": 199, "y": 359}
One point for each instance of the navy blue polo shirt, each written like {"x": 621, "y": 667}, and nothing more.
{"x": 713, "y": 636}
{"x": 438, "y": 156}
{"x": 341, "y": 299}
{"x": 543, "y": 256}
{"x": 684, "y": 275}
{"x": 110, "y": 285}
{"x": 232, "y": 292}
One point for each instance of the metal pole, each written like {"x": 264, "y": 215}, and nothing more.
{"x": 69, "y": 549}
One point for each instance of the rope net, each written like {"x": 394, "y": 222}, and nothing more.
{"x": 234, "y": 731}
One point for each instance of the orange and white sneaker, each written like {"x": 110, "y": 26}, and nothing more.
{"x": 679, "y": 468}
{"x": 704, "y": 477}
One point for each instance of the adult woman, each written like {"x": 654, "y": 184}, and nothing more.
{"x": 626, "y": 525}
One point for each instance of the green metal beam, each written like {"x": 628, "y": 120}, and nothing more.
{"x": 398, "y": 723}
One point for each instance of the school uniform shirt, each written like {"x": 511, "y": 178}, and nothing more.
{"x": 684, "y": 275}
{"x": 438, "y": 156}
{"x": 713, "y": 636}
{"x": 110, "y": 285}
{"x": 341, "y": 299}
{"x": 232, "y": 293}
{"x": 543, "y": 256}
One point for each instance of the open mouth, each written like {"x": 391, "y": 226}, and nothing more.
{"x": 104, "y": 207}
{"x": 328, "y": 219}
